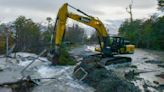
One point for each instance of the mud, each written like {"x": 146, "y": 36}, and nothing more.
{"x": 101, "y": 79}
{"x": 64, "y": 82}
{"x": 19, "y": 86}
{"x": 131, "y": 75}
{"x": 161, "y": 75}
{"x": 53, "y": 78}
{"x": 161, "y": 65}
{"x": 154, "y": 62}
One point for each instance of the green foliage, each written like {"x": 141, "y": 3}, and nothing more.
{"x": 46, "y": 34}
{"x": 131, "y": 30}
{"x": 93, "y": 38}
{"x": 27, "y": 35}
{"x": 161, "y": 5}
{"x": 75, "y": 34}
{"x": 64, "y": 58}
{"x": 145, "y": 34}
{"x": 2, "y": 45}
{"x": 3, "y": 29}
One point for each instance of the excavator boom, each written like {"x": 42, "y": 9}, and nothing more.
{"x": 62, "y": 17}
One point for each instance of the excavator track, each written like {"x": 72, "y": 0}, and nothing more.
{"x": 90, "y": 64}
{"x": 115, "y": 60}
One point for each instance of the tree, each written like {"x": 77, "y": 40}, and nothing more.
{"x": 158, "y": 31}
{"x": 75, "y": 34}
{"x": 3, "y": 28}
{"x": 46, "y": 39}
{"x": 50, "y": 24}
{"x": 2, "y": 39}
{"x": 93, "y": 38}
{"x": 161, "y": 5}
{"x": 27, "y": 35}
{"x": 145, "y": 34}
{"x": 129, "y": 10}
{"x": 131, "y": 31}
{"x": 49, "y": 19}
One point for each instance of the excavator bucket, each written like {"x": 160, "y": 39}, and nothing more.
{"x": 53, "y": 57}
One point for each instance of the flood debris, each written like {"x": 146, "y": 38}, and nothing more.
{"x": 154, "y": 61}
{"x": 161, "y": 65}
{"x": 148, "y": 87}
{"x": 144, "y": 58}
{"x": 1, "y": 69}
{"x": 161, "y": 87}
{"x": 103, "y": 80}
{"x": 131, "y": 74}
{"x": 133, "y": 66}
{"x": 161, "y": 75}
{"x": 156, "y": 82}
{"x": 22, "y": 85}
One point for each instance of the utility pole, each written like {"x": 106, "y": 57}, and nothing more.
{"x": 129, "y": 10}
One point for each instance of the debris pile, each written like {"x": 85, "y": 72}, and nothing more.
{"x": 103, "y": 80}
{"x": 154, "y": 61}
{"x": 25, "y": 85}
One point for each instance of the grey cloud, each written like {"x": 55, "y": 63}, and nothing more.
{"x": 142, "y": 4}
{"x": 52, "y": 5}
{"x": 89, "y": 6}
{"x": 42, "y": 5}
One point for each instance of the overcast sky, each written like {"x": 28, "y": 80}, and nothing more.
{"x": 106, "y": 10}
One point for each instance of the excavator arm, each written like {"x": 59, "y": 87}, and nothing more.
{"x": 60, "y": 28}
{"x": 62, "y": 17}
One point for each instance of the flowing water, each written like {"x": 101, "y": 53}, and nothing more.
{"x": 64, "y": 82}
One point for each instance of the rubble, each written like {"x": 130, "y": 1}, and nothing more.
{"x": 53, "y": 78}
{"x": 154, "y": 61}
{"x": 161, "y": 65}
{"x": 161, "y": 75}
{"x": 25, "y": 85}
{"x": 131, "y": 75}
{"x": 97, "y": 77}
{"x": 100, "y": 78}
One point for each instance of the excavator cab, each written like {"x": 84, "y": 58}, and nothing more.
{"x": 121, "y": 46}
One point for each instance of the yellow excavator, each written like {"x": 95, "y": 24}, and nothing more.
{"x": 103, "y": 36}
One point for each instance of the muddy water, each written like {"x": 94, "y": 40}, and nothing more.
{"x": 139, "y": 58}
{"x": 64, "y": 81}
{"x": 149, "y": 70}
